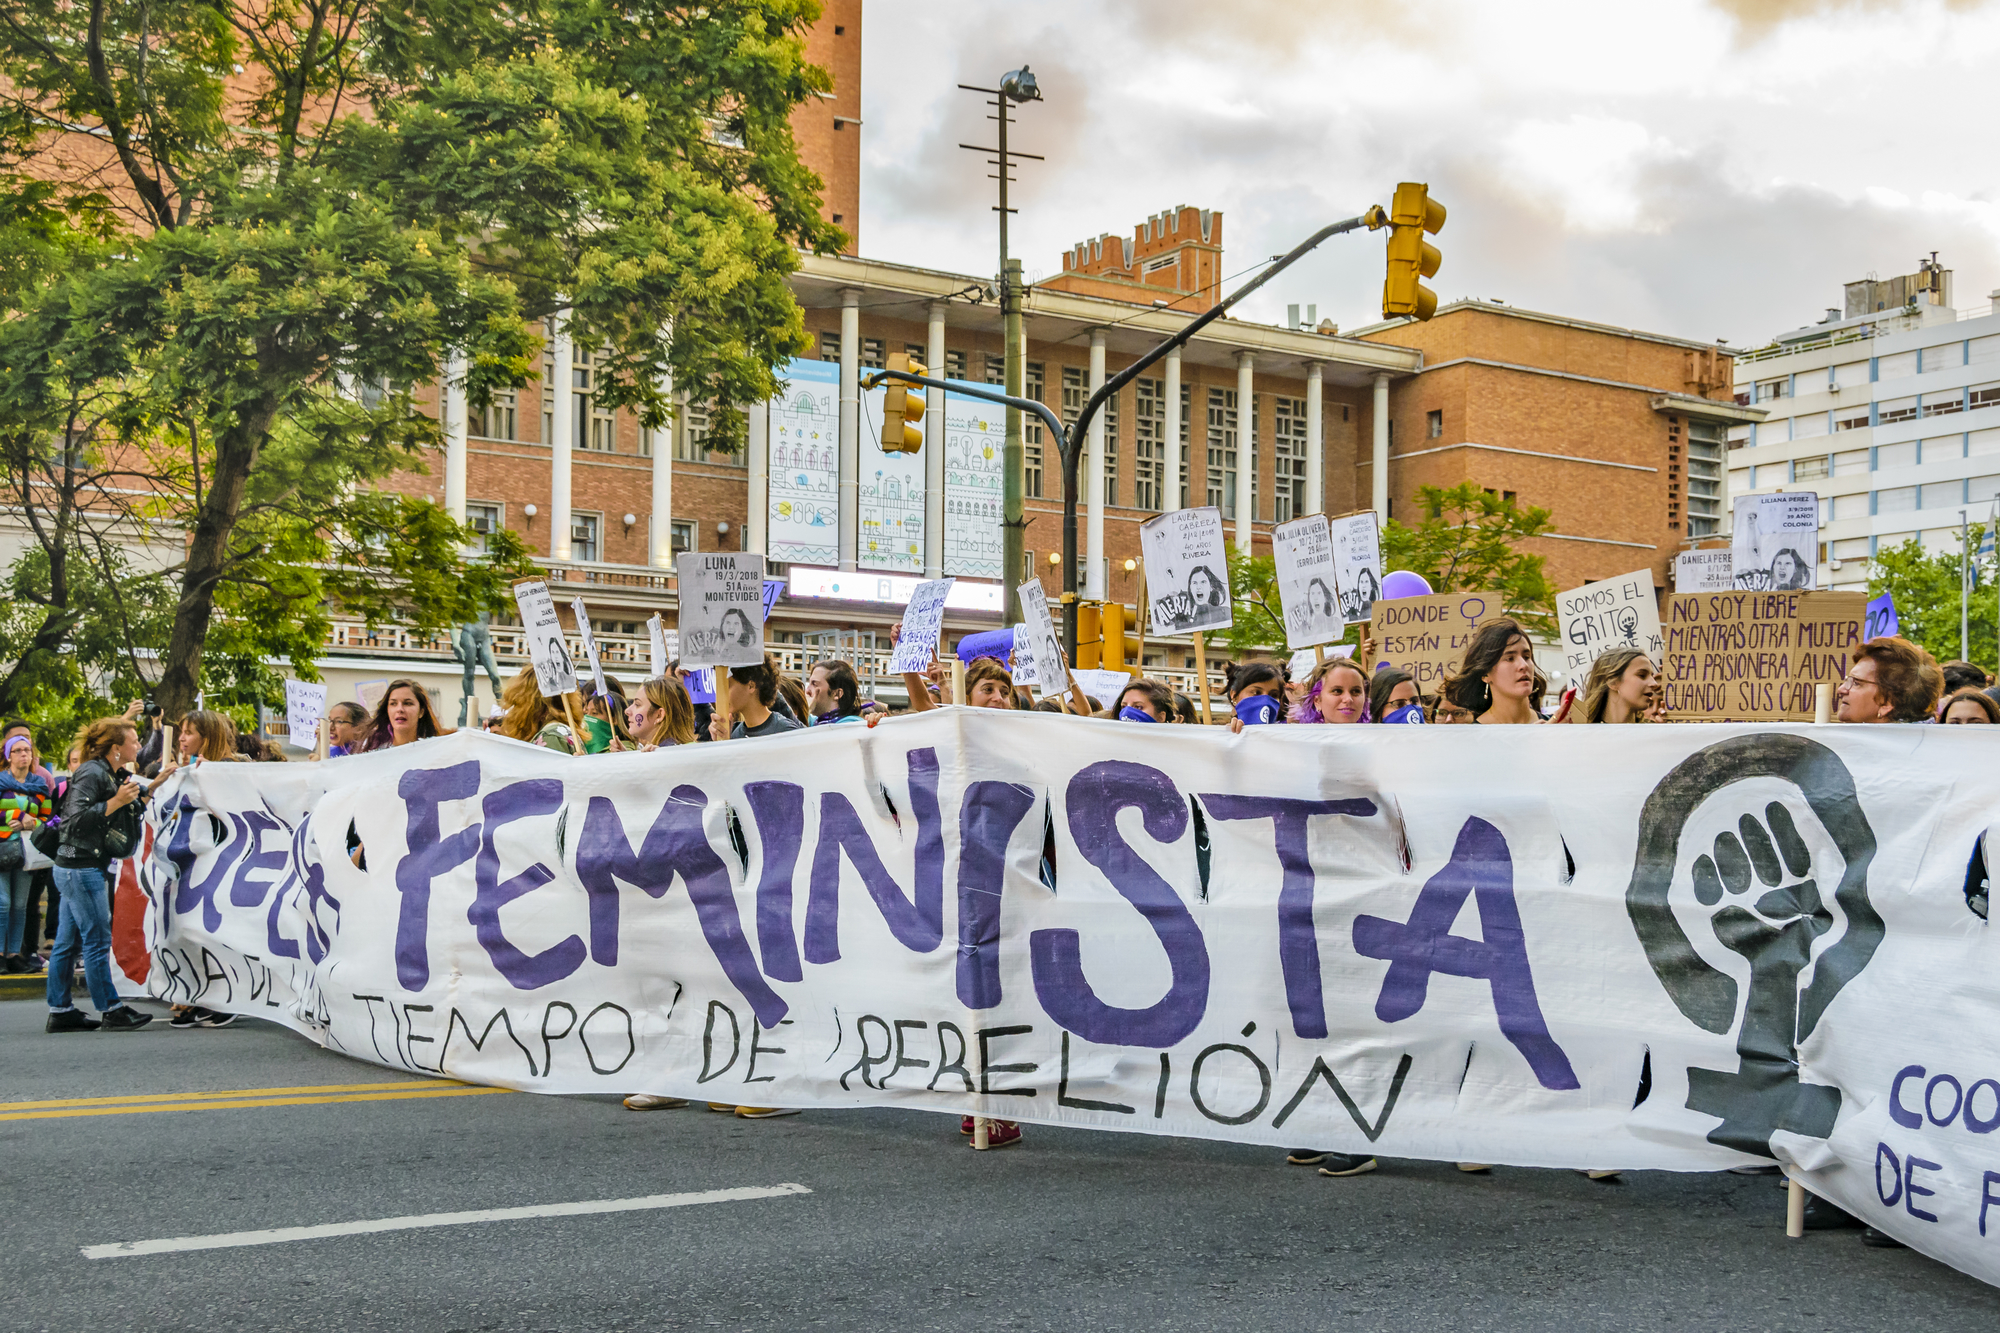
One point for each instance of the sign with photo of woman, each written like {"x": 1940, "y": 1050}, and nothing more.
{"x": 1357, "y": 563}
{"x": 1303, "y": 551}
{"x": 1187, "y": 571}
{"x": 541, "y": 628}
{"x": 1775, "y": 544}
{"x": 722, "y": 608}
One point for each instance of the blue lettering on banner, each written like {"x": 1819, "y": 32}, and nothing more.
{"x": 423, "y": 790}
{"x": 519, "y": 800}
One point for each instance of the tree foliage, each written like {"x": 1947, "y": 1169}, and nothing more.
{"x": 1467, "y": 542}
{"x": 243, "y": 213}
{"x": 1926, "y": 588}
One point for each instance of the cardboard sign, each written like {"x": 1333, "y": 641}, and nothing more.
{"x": 1303, "y": 551}
{"x": 1610, "y": 613}
{"x": 1704, "y": 571}
{"x": 1357, "y": 563}
{"x": 1187, "y": 571}
{"x": 1022, "y": 658}
{"x": 1775, "y": 545}
{"x": 555, "y": 674}
{"x": 305, "y": 705}
{"x": 722, "y": 608}
{"x": 1426, "y": 636}
{"x": 1051, "y": 682}
{"x": 923, "y": 622}
{"x": 1756, "y": 656}
{"x": 589, "y": 646}
{"x": 1102, "y": 686}
{"x": 656, "y": 632}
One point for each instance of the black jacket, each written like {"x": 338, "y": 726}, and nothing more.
{"x": 83, "y": 817}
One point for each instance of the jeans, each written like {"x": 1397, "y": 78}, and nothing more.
{"x": 85, "y": 927}
{"x": 14, "y": 886}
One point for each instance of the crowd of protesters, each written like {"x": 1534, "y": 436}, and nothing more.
{"x": 93, "y": 802}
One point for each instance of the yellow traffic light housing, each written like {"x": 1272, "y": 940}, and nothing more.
{"x": 903, "y": 409}
{"x": 1411, "y": 258}
{"x": 1117, "y": 648}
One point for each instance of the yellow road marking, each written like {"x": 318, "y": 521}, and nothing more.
{"x": 416, "y": 1094}
{"x": 309, "y": 1089}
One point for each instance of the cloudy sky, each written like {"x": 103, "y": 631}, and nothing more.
{"x": 1706, "y": 168}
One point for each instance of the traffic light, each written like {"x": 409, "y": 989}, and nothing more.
{"x": 1089, "y": 636}
{"x": 1411, "y": 257}
{"x": 902, "y": 410}
{"x": 1116, "y": 646}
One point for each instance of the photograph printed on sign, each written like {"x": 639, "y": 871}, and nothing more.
{"x": 1303, "y": 551}
{"x": 1775, "y": 544}
{"x": 1051, "y": 680}
{"x": 1610, "y": 613}
{"x": 1357, "y": 563}
{"x": 1187, "y": 571}
{"x": 722, "y": 608}
{"x": 577, "y": 610}
{"x": 541, "y": 627}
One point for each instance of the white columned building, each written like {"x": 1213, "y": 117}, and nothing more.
{"x": 1246, "y": 450}
{"x": 1093, "y": 487}
{"x": 562, "y": 429}
{"x": 660, "y": 537}
{"x": 1172, "y": 463}
{"x": 934, "y": 445}
{"x": 1379, "y": 473}
{"x": 452, "y": 417}
{"x": 848, "y": 532}
{"x": 1315, "y": 441}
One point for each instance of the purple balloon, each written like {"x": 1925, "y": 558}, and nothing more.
{"x": 1403, "y": 583}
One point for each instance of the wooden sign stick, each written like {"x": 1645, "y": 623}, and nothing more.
{"x": 1201, "y": 676}
{"x": 575, "y": 722}
{"x": 321, "y": 742}
{"x": 722, "y": 699}
{"x": 1139, "y": 609}
{"x": 958, "y": 682}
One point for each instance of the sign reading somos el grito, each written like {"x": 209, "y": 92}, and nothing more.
{"x": 1756, "y": 656}
{"x": 1405, "y": 949}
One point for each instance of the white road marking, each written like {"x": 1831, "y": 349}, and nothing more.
{"x": 279, "y": 1235}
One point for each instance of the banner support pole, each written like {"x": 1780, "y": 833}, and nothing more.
{"x": 1139, "y": 609}
{"x": 958, "y": 681}
{"x": 1822, "y": 704}
{"x": 1795, "y": 1207}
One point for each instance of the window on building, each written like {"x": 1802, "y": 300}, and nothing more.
{"x": 1851, "y": 419}
{"x": 1850, "y": 548}
{"x": 594, "y": 427}
{"x": 583, "y": 536}
{"x": 995, "y": 366}
{"x": 1981, "y": 490}
{"x": 1434, "y": 424}
{"x": 954, "y": 365}
{"x": 1288, "y": 459}
{"x": 1982, "y": 350}
{"x": 1706, "y": 445}
{"x": 1221, "y": 487}
{"x": 1940, "y": 447}
{"x": 548, "y": 382}
{"x": 829, "y": 347}
{"x": 1034, "y": 385}
{"x": 1805, "y": 427}
{"x": 1773, "y": 474}
{"x": 1983, "y": 442}
{"x": 1149, "y": 430}
{"x": 1774, "y": 432}
{"x": 1891, "y": 456}
{"x": 918, "y": 353}
{"x": 1942, "y": 494}
{"x": 691, "y": 433}
{"x": 1187, "y": 435}
{"x": 874, "y": 353}
{"x": 1849, "y": 461}
{"x": 1896, "y": 409}
{"x": 1982, "y": 395}
{"x": 1850, "y": 506}
{"x": 1900, "y": 500}
{"x": 1810, "y": 469}
{"x": 1850, "y": 375}
{"x": 1768, "y": 390}
{"x": 680, "y": 535}
{"x": 1898, "y": 366}
{"x": 1945, "y": 356}
{"x": 499, "y": 420}
{"x": 1072, "y": 394}
{"x": 483, "y": 519}
{"x": 1111, "y": 450}
{"x": 1739, "y": 480}
{"x": 1944, "y": 404}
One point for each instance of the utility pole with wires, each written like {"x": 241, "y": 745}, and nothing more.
{"x": 1016, "y": 86}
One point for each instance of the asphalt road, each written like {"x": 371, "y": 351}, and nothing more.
{"x": 903, "y": 1227}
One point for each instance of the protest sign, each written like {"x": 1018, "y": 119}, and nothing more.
{"x": 1775, "y": 544}
{"x": 773, "y": 590}
{"x": 923, "y": 622}
{"x": 1357, "y": 563}
{"x": 1303, "y": 552}
{"x": 1741, "y": 656}
{"x": 305, "y": 705}
{"x": 1881, "y": 618}
{"x": 1045, "y": 648}
{"x": 1187, "y": 571}
{"x": 656, "y": 634}
{"x": 1103, "y": 686}
{"x": 582, "y": 616}
{"x": 1611, "y": 613}
{"x": 1426, "y": 636}
{"x": 1022, "y": 658}
{"x": 1305, "y": 936}
{"x": 700, "y": 685}
{"x": 541, "y": 627}
{"x": 1704, "y": 571}
{"x": 721, "y": 608}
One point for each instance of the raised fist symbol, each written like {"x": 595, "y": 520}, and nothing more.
{"x": 1765, "y": 901}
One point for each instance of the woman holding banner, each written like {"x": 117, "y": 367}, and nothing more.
{"x": 1496, "y": 682}
{"x": 1623, "y": 686}
{"x": 1336, "y": 691}
{"x": 1392, "y": 697}
{"x": 1256, "y": 691}
{"x": 1147, "y": 700}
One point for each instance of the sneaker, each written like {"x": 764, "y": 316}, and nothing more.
{"x": 208, "y": 1018}
{"x": 1348, "y": 1164}
{"x": 1602, "y": 1175}
{"x": 1822, "y": 1215}
{"x": 1472, "y": 1167}
{"x": 70, "y": 1020}
{"x": 965, "y": 1125}
{"x": 726, "y": 1108}
{"x": 1000, "y": 1134}
{"x": 1880, "y": 1240}
{"x": 764, "y": 1112}
{"x": 652, "y": 1101}
{"x": 1769, "y": 1169}
{"x": 1305, "y": 1157}
{"x": 125, "y": 1019}
{"x": 184, "y": 1016}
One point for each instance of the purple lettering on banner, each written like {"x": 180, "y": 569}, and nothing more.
{"x": 779, "y": 810}
{"x": 1298, "y": 942}
{"x": 1899, "y": 1113}
{"x": 190, "y": 896}
{"x": 1480, "y": 867}
{"x": 986, "y": 824}
{"x": 243, "y": 890}
{"x": 1911, "y": 1189}
{"x": 917, "y": 922}
{"x": 1987, "y": 1198}
{"x": 517, "y": 800}
{"x": 675, "y": 845}
{"x": 423, "y": 790}
{"x": 297, "y": 874}
{"x": 1883, "y": 1150}
{"x": 1094, "y": 799}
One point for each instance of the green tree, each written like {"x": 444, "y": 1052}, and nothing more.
{"x": 306, "y": 198}
{"x": 1926, "y": 588}
{"x": 1467, "y": 542}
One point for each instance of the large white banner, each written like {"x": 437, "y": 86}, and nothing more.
{"x": 975, "y": 444}
{"x": 1672, "y": 947}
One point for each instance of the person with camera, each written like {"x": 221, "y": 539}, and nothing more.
{"x": 100, "y": 823}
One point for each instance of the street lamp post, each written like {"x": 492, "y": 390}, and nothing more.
{"x": 1016, "y": 86}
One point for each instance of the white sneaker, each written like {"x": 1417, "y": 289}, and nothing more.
{"x": 1470, "y": 1167}
{"x": 652, "y": 1101}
